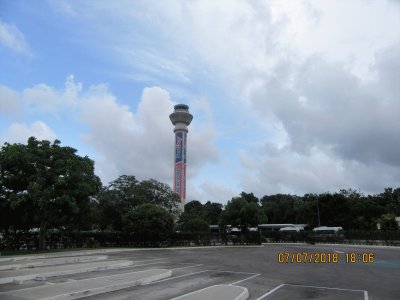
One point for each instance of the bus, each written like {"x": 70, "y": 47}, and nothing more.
{"x": 328, "y": 232}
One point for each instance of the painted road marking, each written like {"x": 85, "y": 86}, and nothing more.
{"x": 337, "y": 251}
{"x": 311, "y": 286}
{"x": 187, "y": 267}
{"x": 331, "y": 288}
{"x": 223, "y": 291}
{"x": 236, "y": 282}
{"x": 180, "y": 276}
{"x": 270, "y": 292}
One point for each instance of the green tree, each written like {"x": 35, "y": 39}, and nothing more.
{"x": 249, "y": 197}
{"x": 240, "y": 213}
{"x": 45, "y": 185}
{"x": 158, "y": 193}
{"x": 388, "y": 222}
{"x": 197, "y": 228}
{"x": 126, "y": 193}
{"x": 279, "y": 208}
{"x": 211, "y": 212}
{"x": 115, "y": 200}
{"x": 149, "y": 223}
{"x": 391, "y": 200}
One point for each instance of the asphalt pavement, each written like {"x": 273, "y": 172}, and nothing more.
{"x": 272, "y": 271}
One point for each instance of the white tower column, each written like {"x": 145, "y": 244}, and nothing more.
{"x": 181, "y": 119}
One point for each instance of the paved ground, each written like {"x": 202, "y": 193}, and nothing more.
{"x": 255, "y": 268}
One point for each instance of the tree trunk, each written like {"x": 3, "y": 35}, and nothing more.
{"x": 42, "y": 235}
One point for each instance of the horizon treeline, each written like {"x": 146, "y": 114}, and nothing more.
{"x": 45, "y": 185}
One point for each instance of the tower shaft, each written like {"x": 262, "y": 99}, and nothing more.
{"x": 181, "y": 119}
{"x": 180, "y": 164}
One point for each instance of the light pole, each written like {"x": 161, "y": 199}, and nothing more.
{"x": 319, "y": 221}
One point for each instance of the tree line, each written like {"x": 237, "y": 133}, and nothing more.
{"x": 47, "y": 186}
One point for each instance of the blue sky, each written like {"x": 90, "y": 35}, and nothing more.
{"x": 287, "y": 96}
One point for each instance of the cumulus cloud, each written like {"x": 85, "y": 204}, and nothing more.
{"x": 20, "y": 132}
{"x": 215, "y": 192}
{"x": 126, "y": 141}
{"x": 313, "y": 94}
{"x": 140, "y": 142}
{"x": 43, "y": 98}
{"x": 324, "y": 92}
{"x": 10, "y": 103}
{"x": 340, "y": 130}
{"x": 12, "y": 38}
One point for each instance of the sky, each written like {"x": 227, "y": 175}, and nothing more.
{"x": 289, "y": 97}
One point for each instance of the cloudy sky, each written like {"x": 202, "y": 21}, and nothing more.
{"x": 287, "y": 96}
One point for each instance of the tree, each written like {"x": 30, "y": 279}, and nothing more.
{"x": 388, "y": 222}
{"x": 149, "y": 223}
{"x": 249, "y": 197}
{"x": 279, "y": 208}
{"x": 240, "y": 213}
{"x": 46, "y": 185}
{"x": 211, "y": 212}
{"x": 208, "y": 213}
{"x": 391, "y": 200}
{"x": 115, "y": 200}
{"x": 158, "y": 193}
{"x": 126, "y": 193}
{"x": 197, "y": 228}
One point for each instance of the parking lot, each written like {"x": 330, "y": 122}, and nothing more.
{"x": 178, "y": 272}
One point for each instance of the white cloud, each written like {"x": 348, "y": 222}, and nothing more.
{"x": 10, "y": 103}
{"x": 12, "y": 38}
{"x": 43, "y": 98}
{"x": 131, "y": 142}
{"x": 215, "y": 192}
{"x": 309, "y": 91}
{"x": 20, "y": 132}
{"x": 346, "y": 31}
{"x": 285, "y": 171}
{"x": 341, "y": 131}
{"x": 141, "y": 142}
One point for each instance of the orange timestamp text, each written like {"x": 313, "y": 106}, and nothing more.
{"x": 325, "y": 257}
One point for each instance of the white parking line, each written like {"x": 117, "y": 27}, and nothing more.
{"x": 365, "y": 295}
{"x": 331, "y": 288}
{"x": 270, "y": 292}
{"x": 323, "y": 287}
{"x": 180, "y": 276}
{"x": 233, "y": 283}
{"x": 187, "y": 267}
{"x": 234, "y": 272}
{"x": 312, "y": 286}
{"x": 337, "y": 251}
{"x": 147, "y": 260}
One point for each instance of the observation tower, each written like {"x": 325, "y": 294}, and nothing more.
{"x": 181, "y": 119}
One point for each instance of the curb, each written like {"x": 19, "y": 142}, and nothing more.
{"x": 53, "y": 262}
{"x": 42, "y": 276}
{"x": 78, "y": 289}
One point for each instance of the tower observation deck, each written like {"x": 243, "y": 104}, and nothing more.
{"x": 181, "y": 119}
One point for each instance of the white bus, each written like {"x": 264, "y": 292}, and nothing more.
{"x": 325, "y": 231}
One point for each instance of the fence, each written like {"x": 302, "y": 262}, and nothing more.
{"x": 25, "y": 240}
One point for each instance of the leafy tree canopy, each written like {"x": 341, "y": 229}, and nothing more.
{"x": 44, "y": 185}
{"x": 126, "y": 193}
{"x": 149, "y": 223}
{"x": 241, "y": 213}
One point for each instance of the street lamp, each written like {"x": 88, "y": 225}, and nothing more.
{"x": 319, "y": 220}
